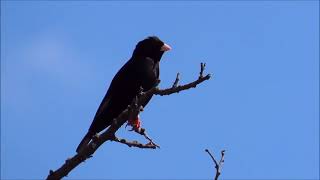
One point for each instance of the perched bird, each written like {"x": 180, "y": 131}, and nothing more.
{"x": 142, "y": 70}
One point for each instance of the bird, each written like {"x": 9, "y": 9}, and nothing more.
{"x": 141, "y": 70}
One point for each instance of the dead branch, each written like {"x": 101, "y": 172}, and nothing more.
{"x": 109, "y": 134}
{"x": 135, "y": 143}
{"x": 218, "y": 166}
{"x": 142, "y": 132}
{"x": 175, "y": 84}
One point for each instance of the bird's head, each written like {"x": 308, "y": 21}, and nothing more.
{"x": 151, "y": 47}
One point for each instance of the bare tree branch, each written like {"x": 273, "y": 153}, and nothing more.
{"x": 109, "y": 134}
{"x": 175, "y": 84}
{"x": 218, "y": 166}
{"x": 179, "y": 88}
{"x": 149, "y": 145}
{"x": 202, "y": 66}
{"x": 142, "y": 132}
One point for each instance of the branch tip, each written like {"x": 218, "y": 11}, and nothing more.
{"x": 202, "y": 67}
{"x": 217, "y": 165}
{"x": 50, "y": 172}
{"x": 175, "y": 84}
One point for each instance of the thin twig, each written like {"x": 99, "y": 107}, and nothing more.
{"x": 175, "y": 84}
{"x": 179, "y": 88}
{"x": 218, "y": 166}
{"x": 135, "y": 143}
{"x": 142, "y": 132}
{"x": 203, "y": 65}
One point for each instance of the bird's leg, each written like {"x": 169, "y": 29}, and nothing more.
{"x": 135, "y": 123}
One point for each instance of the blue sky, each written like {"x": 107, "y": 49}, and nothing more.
{"x": 262, "y": 104}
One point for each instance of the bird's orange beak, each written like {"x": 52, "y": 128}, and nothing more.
{"x": 165, "y": 47}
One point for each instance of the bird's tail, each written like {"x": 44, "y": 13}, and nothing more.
{"x": 84, "y": 142}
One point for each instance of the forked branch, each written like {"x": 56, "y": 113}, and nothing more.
{"x": 109, "y": 134}
{"x": 217, "y": 165}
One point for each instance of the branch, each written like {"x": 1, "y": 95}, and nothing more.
{"x": 87, "y": 152}
{"x": 202, "y": 66}
{"x": 142, "y": 132}
{"x": 109, "y": 134}
{"x": 175, "y": 84}
{"x": 218, "y": 166}
{"x": 135, "y": 143}
{"x": 177, "y": 88}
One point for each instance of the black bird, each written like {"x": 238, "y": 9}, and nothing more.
{"x": 142, "y": 70}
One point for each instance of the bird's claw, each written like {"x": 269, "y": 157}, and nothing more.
{"x": 134, "y": 123}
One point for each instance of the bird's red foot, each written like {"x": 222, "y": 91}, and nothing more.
{"x": 135, "y": 123}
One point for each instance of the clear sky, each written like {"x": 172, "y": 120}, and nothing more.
{"x": 262, "y": 104}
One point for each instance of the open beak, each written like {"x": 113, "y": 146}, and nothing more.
{"x": 165, "y": 47}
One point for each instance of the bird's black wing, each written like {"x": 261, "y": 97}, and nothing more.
{"x": 108, "y": 107}
{"x": 114, "y": 87}
{"x": 149, "y": 76}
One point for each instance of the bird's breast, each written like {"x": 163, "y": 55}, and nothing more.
{"x": 148, "y": 74}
